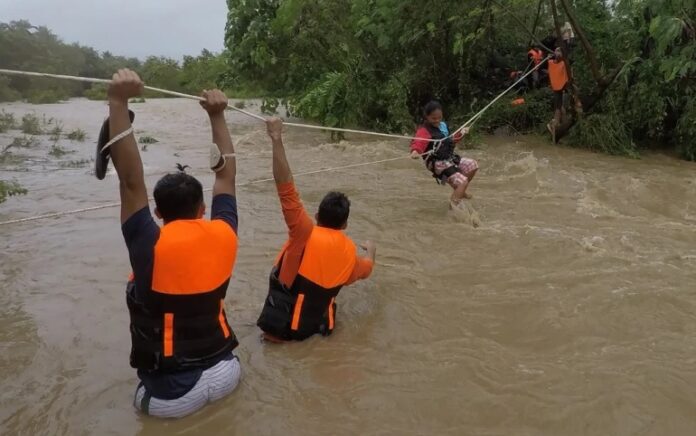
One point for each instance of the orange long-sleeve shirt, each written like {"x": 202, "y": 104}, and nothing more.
{"x": 300, "y": 227}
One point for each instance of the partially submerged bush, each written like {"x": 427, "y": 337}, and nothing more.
{"x": 31, "y": 125}
{"x": 10, "y": 188}
{"x": 604, "y": 132}
{"x": 240, "y": 104}
{"x": 81, "y": 163}
{"x": 21, "y": 142}
{"x": 147, "y": 140}
{"x": 58, "y": 151}
{"x": 56, "y": 132}
{"x": 137, "y": 100}
{"x": 7, "y": 121}
{"x": 78, "y": 135}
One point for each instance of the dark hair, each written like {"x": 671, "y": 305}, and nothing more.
{"x": 178, "y": 196}
{"x": 431, "y": 107}
{"x": 333, "y": 211}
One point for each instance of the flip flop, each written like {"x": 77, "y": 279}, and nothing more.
{"x": 101, "y": 160}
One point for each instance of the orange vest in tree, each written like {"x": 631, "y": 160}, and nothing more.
{"x": 558, "y": 76}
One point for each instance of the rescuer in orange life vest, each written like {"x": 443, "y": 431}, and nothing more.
{"x": 558, "y": 80}
{"x": 315, "y": 262}
{"x": 181, "y": 341}
{"x": 535, "y": 57}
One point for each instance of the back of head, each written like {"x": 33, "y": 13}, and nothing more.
{"x": 431, "y": 107}
{"x": 333, "y": 211}
{"x": 178, "y": 196}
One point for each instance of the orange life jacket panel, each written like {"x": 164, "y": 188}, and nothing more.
{"x": 309, "y": 305}
{"x": 182, "y": 323}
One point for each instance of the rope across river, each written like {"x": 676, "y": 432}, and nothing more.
{"x": 470, "y": 122}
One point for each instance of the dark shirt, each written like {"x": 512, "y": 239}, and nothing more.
{"x": 141, "y": 234}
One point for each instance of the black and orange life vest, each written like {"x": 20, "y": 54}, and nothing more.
{"x": 309, "y": 305}
{"x": 558, "y": 76}
{"x": 443, "y": 151}
{"x": 180, "y": 321}
{"x": 536, "y": 55}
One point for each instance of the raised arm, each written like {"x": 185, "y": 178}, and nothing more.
{"x": 299, "y": 224}
{"x": 124, "y": 153}
{"x": 281, "y": 167}
{"x": 215, "y": 104}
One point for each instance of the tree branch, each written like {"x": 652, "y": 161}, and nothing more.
{"x": 591, "y": 56}
{"x": 522, "y": 25}
{"x": 536, "y": 20}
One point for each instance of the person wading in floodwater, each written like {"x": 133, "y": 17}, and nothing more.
{"x": 181, "y": 341}
{"x": 444, "y": 164}
{"x": 315, "y": 262}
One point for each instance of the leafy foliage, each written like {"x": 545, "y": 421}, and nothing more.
{"x": 9, "y": 189}
{"x": 7, "y": 121}
{"x": 374, "y": 63}
{"x": 31, "y": 125}
{"x": 27, "y": 47}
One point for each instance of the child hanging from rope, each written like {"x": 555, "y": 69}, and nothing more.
{"x": 444, "y": 164}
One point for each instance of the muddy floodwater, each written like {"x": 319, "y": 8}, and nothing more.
{"x": 569, "y": 310}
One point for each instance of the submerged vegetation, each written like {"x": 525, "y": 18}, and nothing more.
{"x": 8, "y": 188}
{"x": 32, "y": 128}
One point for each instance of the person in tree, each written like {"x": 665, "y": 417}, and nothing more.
{"x": 558, "y": 80}
{"x": 436, "y": 147}
{"x": 535, "y": 56}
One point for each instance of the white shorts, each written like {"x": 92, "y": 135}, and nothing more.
{"x": 215, "y": 383}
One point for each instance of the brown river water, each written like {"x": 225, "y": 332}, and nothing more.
{"x": 570, "y": 309}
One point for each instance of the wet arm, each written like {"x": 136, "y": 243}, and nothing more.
{"x": 299, "y": 224}
{"x": 127, "y": 161}
{"x": 420, "y": 145}
{"x": 225, "y": 178}
{"x": 363, "y": 269}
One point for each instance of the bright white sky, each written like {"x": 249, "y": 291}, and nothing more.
{"x": 128, "y": 27}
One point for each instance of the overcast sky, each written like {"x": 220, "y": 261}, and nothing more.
{"x": 128, "y": 27}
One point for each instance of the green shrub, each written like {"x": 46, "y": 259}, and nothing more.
{"x": 604, "y": 132}
{"x": 7, "y": 121}
{"x": 8, "y": 189}
{"x": 96, "y": 92}
{"x": 81, "y": 163}
{"x": 530, "y": 116}
{"x": 22, "y": 142}
{"x": 6, "y": 92}
{"x": 685, "y": 133}
{"x": 147, "y": 140}
{"x": 270, "y": 105}
{"x": 56, "y": 132}
{"x": 58, "y": 151}
{"x": 31, "y": 125}
{"x": 46, "y": 96}
{"x": 78, "y": 135}
{"x": 137, "y": 100}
